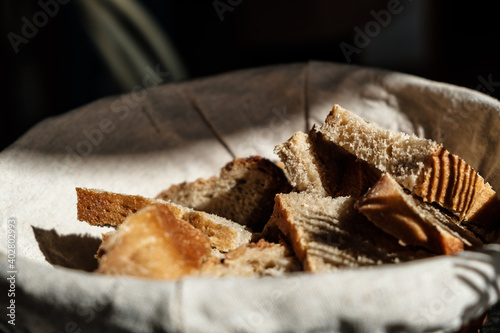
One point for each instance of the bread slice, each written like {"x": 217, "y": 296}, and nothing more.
{"x": 328, "y": 233}
{"x": 412, "y": 221}
{"x": 243, "y": 192}
{"x": 318, "y": 166}
{"x": 422, "y": 166}
{"x": 111, "y": 209}
{"x": 154, "y": 243}
{"x": 300, "y": 165}
{"x": 254, "y": 259}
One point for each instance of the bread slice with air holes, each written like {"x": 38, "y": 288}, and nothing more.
{"x": 254, "y": 259}
{"x": 243, "y": 192}
{"x": 111, "y": 209}
{"x": 300, "y": 164}
{"x": 328, "y": 233}
{"x": 422, "y": 166}
{"x": 318, "y": 166}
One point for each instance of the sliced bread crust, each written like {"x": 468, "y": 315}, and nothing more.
{"x": 412, "y": 221}
{"x": 243, "y": 192}
{"x": 111, "y": 209}
{"x": 420, "y": 165}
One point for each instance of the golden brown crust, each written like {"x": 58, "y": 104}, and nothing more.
{"x": 106, "y": 208}
{"x": 154, "y": 243}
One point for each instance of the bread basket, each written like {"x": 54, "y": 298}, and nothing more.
{"x": 155, "y": 136}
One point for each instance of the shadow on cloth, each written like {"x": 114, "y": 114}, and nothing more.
{"x": 70, "y": 251}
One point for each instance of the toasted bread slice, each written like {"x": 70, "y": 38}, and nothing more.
{"x": 422, "y": 166}
{"x": 105, "y": 208}
{"x": 328, "y": 233}
{"x": 243, "y": 192}
{"x": 154, "y": 243}
{"x": 412, "y": 221}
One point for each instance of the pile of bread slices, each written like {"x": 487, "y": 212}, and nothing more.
{"x": 346, "y": 194}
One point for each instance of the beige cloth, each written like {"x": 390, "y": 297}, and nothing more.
{"x": 142, "y": 142}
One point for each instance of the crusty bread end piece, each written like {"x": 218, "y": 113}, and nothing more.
{"x": 243, "y": 192}
{"x": 420, "y": 165}
{"x": 106, "y": 208}
{"x": 154, "y": 243}
{"x": 400, "y": 214}
{"x": 453, "y": 184}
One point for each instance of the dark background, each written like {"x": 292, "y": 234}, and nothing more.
{"x": 61, "y": 67}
